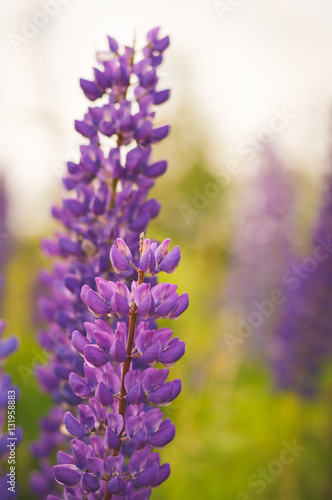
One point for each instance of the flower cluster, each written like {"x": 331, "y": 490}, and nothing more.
{"x": 122, "y": 390}
{"x": 302, "y": 343}
{"x": 108, "y": 202}
{"x": 8, "y": 398}
{"x": 261, "y": 251}
{"x": 160, "y": 301}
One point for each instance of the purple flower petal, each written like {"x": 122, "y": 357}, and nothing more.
{"x": 182, "y": 305}
{"x": 111, "y": 380}
{"x": 158, "y": 134}
{"x": 67, "y": 474}
{"x": 162, "y": 437}
{"x": 163, "y": 335}
{"x": 118, "y": 353}
{"x": 104, "y": 395}
{"x": 162, "y": 250}
{"x": 84, "y": 129}
{"x": 152, "y": 354}
{"x": 172, "y": 354}
{"x": 163, "y": 291}
{"x": 64, "y": 458}
{"x": 95, "y": 466}
{"x": 146, "y": 307}
{"x": 124, "y": 249}
{"x": 165, "y": 309}
{"x": 89, "y": 483}
{"x": 119, "y": 305}
{"x": 119, "y": 262}
{"x": 162, "y": 394}
{"x": 114, "y": 465}
{"x": 79, "y": 341}
{"x": 171, "y": 261}
{"x": 147, "y": 262}
{"x": 91, "y": 375}
{"x": 163, "y": 474}
{"x": 147, "y": 477}
{"x": 105, "y": 289}
{"x": 75, "y": 207}
{"x": 152, "y": 378}
{"x": 115, "y": 421}
{"x": 73, "y": 426}
{"x": 161, "y": 96}
{"x": 152, "y": 420}
{"x": 90, "y": 89}
{"x": 80, "y": 387}
{"x": 135, "y": 395}
{"x": 116, "y": 486}
{"x": 95, "y": 356}
{"x": 94, "y": 302}
{"x": 103, "y": 339}
{"x": 161, "y": 45}
{"x": 156, "y": 169}
{"x": 112, "y": 440}
{"x": 132, "y": 426}
{"x": 140, "y": 439}
{"x": 7, "y": 346}
{"x": 144, "y": 340}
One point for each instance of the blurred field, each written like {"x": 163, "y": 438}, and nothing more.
{"x": 230, "y": 422}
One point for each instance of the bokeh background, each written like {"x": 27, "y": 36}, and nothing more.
{"x": 240, "y": 198}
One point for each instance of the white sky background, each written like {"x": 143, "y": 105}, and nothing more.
{"x": 260, "y": 56}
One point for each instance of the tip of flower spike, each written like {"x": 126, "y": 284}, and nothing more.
{"x": 113, "y": 44}
{"x": 118, "y": 260}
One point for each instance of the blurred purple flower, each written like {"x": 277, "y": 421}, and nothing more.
{"x": 302, "y": 343}
{"x": 260, "y": 253}
{"x": 9, "y": 432}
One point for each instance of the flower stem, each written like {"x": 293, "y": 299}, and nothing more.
{"x": 113, "y": 192}
{"x": 126, "y": 365}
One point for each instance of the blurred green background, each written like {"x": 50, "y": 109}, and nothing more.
{"x": 230, "y": 422}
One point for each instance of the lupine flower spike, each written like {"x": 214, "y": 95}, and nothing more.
{"x": 101, "y": 300}
{"x": 120, "y": 420}
{"x": 302, "y": 344}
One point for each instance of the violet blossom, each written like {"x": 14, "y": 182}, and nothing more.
{"x": 9, "y": 432}
{"x": 302, "y": 341}
{"x": 109, "y": 203}
{"x": 261, "y": 251}
{"x": 122, "y": 389}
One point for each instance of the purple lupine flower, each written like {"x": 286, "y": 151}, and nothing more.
{"x": 9, "y": 432}
{"x": 302, "y": 342}
{"x": 120, "y": 416}
{"x": 107, "y": 205}
{"x": 260, "y": 254}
